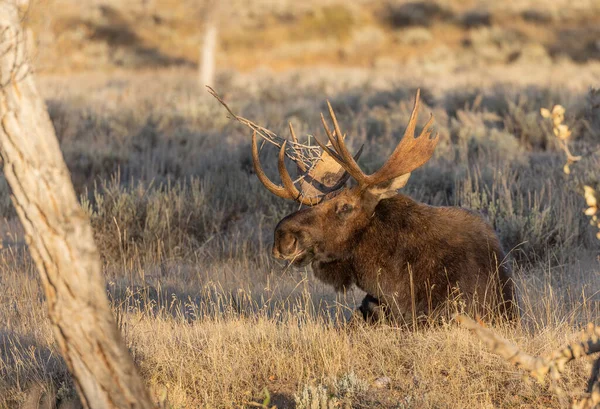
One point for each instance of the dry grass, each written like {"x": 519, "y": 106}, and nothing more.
{"x": 205, "y": 353}
{"x": 185, "y": 231}
{"x": 185, "y": 228}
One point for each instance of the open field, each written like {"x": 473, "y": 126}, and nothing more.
{"x": 185, "y": 228}
{"x": 283, "y": 34}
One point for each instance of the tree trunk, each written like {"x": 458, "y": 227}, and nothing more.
{"x": 59, "y": 235}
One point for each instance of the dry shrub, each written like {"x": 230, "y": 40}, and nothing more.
{"x": 418, "y": 13}
{"x": 161, "y": 221}
{"x": 495, "y": 44}
{"x": 481, "y": 131}
{"x": 563, "y": 135}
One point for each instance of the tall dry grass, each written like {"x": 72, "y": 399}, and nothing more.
{"x": 219, "y": 348}
{"x": 185, "y": 232}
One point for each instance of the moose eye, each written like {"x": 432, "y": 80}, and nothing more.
{"x": 345, "y": 208}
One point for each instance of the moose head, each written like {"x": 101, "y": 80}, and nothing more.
{"x": 327, "y": 230}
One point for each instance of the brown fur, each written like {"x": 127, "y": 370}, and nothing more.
{"x": 379, "y": 243}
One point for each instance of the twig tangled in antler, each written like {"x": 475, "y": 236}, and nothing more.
{"x": 320, "y": 170}
{"x": 538, "y": 367}
{"x": 298, "y": 152}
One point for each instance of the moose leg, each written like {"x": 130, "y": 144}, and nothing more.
{"x": 372, "y": 309}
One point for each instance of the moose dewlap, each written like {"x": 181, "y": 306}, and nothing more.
{"x": 410, "y": 258}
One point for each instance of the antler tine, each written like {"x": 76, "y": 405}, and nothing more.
{"x": 331, "y": 153}
{"x": 294, "y": 138}
{"x": 337, "y": 141}
{"x": 330, "y": 136}
{"x": 340, "y": 161}
{"x": 288, "y": 183}
{"x": 340, "y": 182}
{"x": 410, "y": 153}
{"x": 271, "y": 187}
{"x": 345, "y": 176}
{"x": 349, "y": 163}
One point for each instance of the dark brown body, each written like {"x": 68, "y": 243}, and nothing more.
{"x": 412, "y": 260}
{"x": 411, "y": 256}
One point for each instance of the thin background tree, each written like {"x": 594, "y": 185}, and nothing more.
{"x": 207, "y": 66}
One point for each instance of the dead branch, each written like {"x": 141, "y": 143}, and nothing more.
{"x": 298, "y": 152}
{"x": 554, "y": 365}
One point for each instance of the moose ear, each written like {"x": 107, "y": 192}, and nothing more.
{"x": 389, "y": 188}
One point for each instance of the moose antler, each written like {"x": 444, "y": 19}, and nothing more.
{"x": 318, "y": 173}
{"x": 325, "y": 171}
{"x": 317, "y": 178}
{"x": 409, "y": 154}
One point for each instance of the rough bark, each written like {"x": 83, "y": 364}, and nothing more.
{"x": 59, "y": 235}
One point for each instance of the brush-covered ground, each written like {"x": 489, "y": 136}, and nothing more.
{"x": 185, "y": 228}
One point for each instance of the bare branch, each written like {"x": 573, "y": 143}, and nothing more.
{"x": 538, "y": 367}
{"x": 307, "y": 155}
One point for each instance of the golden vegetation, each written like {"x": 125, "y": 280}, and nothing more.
{"x": 563, "y": 135}
{"x": 185, "y": 228}
{"x": 140, "y": 35}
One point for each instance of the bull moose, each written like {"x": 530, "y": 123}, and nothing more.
{"x": 410, "y": 258}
